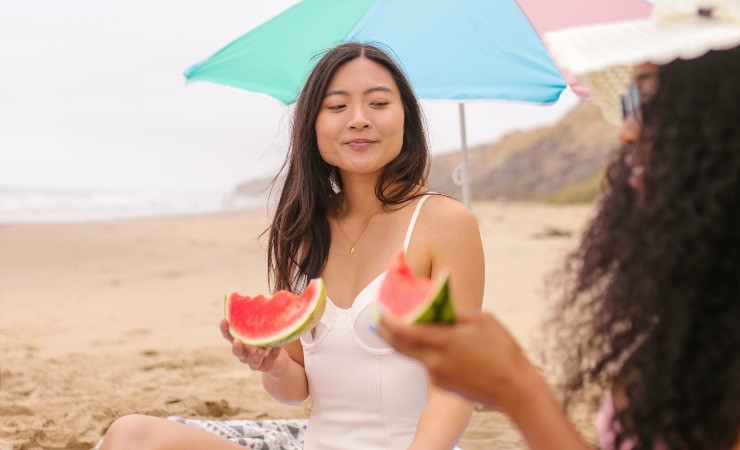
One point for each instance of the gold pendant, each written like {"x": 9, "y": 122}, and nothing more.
{"x": 352, "y": 249}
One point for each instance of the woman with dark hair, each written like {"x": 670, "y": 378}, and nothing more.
{"x": 353, "y": 196}
{"x": 652, "y": 300}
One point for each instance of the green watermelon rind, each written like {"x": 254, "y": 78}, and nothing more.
{"x": 437, "y": 309}
{"x": 309, "y": 320}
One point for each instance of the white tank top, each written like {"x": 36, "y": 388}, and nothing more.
{"x": 365, "y": 395}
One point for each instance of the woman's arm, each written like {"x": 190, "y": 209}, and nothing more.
{"x": 446, "y": 237}
{"x": 443, "y": 421}
{"x": 283, "y": 375}
{"x": 287, "y": 381}
{"x": 452, "y": 242}
{"x": 479, "y": 360}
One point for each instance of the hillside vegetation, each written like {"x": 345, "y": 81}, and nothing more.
{"x": 562, "y": 163}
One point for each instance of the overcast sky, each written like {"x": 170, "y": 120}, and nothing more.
{"x": 92, "y": 97}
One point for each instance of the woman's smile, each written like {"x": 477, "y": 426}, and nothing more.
{"x": 360, "y": 144}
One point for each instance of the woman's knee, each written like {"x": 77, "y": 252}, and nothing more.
{"x": 133, "y": 431}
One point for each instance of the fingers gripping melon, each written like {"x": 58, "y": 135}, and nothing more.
{"x": 412, "y": 299}
{"x": 270, "y": 322}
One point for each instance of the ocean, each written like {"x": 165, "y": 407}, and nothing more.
{"x": 38, "y": 206}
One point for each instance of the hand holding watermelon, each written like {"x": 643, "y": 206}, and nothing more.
{"x": 272, "y": 322}
{"x": 477, "y": 358}
{"x": 257, "y": 358}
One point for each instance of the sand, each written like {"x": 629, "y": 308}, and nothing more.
{"x": 102, "y": 319}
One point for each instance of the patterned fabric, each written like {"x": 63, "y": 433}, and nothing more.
{"x": 255, "y": 435}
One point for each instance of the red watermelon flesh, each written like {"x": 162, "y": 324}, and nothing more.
{"x": 269, "y": 322}
{"x": 412, "y": 299}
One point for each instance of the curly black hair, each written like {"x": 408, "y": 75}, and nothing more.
{"x": 652, "y": 294}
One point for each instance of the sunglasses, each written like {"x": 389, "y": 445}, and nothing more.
{"x": 632, "y": 105}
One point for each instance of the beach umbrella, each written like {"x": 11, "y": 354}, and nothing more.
{"x": 451, "y": 50}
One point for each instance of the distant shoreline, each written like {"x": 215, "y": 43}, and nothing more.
{"x": 25, "y": 207}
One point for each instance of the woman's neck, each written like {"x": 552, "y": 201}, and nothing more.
{"x": 357, "y": 198}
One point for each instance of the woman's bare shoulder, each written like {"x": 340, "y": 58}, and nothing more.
{"x": 445, "y": 212}
{"x": 444, "y": 221}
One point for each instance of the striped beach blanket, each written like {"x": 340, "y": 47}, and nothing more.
{"x": 254, "y": 434}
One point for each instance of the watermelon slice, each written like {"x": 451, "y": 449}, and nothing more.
{"x": 412, "y": 299}
{"x": 270, "y": 322}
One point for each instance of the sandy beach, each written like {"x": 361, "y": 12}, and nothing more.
{"x": 102, "y": 319}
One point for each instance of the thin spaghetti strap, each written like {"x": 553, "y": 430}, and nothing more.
{"x": 413, "y": 222}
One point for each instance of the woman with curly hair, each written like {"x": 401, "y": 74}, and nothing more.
{"x": 651, "y": 309}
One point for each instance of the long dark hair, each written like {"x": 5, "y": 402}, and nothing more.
{"x": 310, "y": 182}
{"x": 652, "y": 305}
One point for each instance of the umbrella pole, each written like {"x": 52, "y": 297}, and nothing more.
{"x": 465, "y": 180}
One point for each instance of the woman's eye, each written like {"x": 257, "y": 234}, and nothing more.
{"x": 335, "y": 107}
{"x": 379, "y": 104}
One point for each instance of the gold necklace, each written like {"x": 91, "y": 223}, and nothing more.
{"x": 367, "y": 222}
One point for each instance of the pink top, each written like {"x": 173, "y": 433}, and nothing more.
{"x": 606, "y": 429}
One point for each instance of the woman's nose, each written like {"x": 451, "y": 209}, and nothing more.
{"x": 629, "y": 132}
{"x": 359, "y": 119}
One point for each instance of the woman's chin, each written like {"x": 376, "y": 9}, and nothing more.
{"x": 362, "y": 168}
